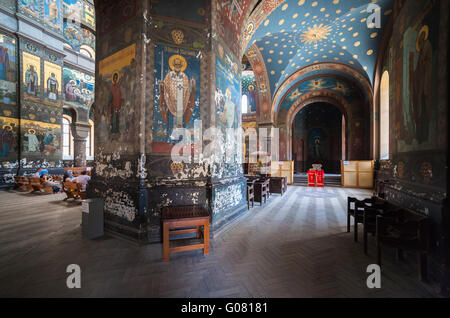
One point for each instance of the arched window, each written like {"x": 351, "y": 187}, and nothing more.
{"x": 67, "y": 140}
{"x": 384, "y": 116}
{"x": 244, "y": 104}
{"x": 90, "y": 142}
{"x": 87, "y": 51}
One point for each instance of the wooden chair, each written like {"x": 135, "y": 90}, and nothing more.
{"x": 73, "y": 190}
{"x": 261, "y": 191}
{"x": 355, "y": 209}
{"x": 404, "y": 230}
{"x": 22, "y": 183}
{"x": 250, "y": 193}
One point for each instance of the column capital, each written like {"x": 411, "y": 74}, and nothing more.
{"x": 80, "y": 130}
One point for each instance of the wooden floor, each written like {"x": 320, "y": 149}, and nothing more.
{"x": 295, "y": 246}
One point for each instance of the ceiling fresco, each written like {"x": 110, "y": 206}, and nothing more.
{"x": 339, "y": 86}
{"x": 303, "y": 32}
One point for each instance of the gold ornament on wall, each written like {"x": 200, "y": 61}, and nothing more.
{"x": 177, "y": 36}
{"x": 176, "y": 167}
{"x": 32, "y": 116}
{"x": 401, "y": 169}
{"x": 426, "y": 170}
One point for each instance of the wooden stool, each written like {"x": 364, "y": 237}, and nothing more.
{"x": 176, "y": 217}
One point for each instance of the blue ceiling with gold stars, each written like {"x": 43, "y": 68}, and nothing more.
{"x": 303, "y": 32}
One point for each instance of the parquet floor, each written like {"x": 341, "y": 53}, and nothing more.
{"x": 294, "y": 246}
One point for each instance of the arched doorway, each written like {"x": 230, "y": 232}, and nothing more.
{"x": 318, "y": 137}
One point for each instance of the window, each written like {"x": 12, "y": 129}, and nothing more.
{"x": 87, "y": 51}
{"x": 244, "y": 104}
{"x": 90, "y": 142}
{"x": 67, "y": 140}
{"x": 384, "y": 116}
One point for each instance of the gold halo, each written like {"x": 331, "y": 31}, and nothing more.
{"x": 425, "y": 29}
{"x": 183, "y": 61}
{"x": 114, "y": 73}
{"x": 31, "y": 131}
{"x": 251, "y": 88}
{"x": 7, "y": 127}
{"x": 228, "y": 93}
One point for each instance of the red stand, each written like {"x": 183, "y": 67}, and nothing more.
{"x": 320, "y": 178}
{"x": 311, "y": 178}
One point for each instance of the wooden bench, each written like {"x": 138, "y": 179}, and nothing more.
{"x": 179, "y": 220}
{"x": 37, "y": 185}
{"x": 22, "y": 183}
{"x": 76, "y": 171}
{"x": 73, "y": 191}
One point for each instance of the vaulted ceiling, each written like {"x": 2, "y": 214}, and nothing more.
{"x": 299, "y": 33}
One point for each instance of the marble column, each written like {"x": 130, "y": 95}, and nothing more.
{"x": 80, "y": 133}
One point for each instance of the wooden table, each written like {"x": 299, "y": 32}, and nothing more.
{"x": 175, "y": 220}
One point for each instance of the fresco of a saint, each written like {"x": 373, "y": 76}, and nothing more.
{"x": 52, "y": 87}
{"x": 421, "y": 85}
{"x": 115, "y": 103}
{"x": 177, "y": 95}
{"x": 31, "y": 80}
{"x": 4, "y": 63}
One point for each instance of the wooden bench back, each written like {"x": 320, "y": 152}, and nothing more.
{"x": 34, "y": 181}
{"x": 76, "y": 171}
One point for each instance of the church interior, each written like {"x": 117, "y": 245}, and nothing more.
{"x": 224, "y": 148}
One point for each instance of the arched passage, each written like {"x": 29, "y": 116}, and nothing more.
{"x": 317, "y": 137}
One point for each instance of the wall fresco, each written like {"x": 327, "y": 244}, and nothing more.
{"x": 52, "y": 83}
{"x": 76, "y": 36}
{"x": 230, "y": 16}
{"x": 177, "y": 94}
{"x": 8, "y": 74}
{"x": 9, "y": 130}
{"x": 78, "y": 88}
{"x": 228, "y": 101}
{"x": 9, "y": 4}
{"x": 79, "y": 11}
{"x": 31, "y": 8}
{"x": 414, "y": 70}
{"x": 31, "y": 75}
{"x": 52, "y": 13}
{"x": 40, "y": 140}
{"x": 117, "y": 95}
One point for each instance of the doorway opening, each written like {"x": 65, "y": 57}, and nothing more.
{"x": 319, "y": 137}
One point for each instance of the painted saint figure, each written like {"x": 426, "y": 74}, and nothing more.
{"x": 6, "y": 141}
{"x": 70, "y": 91}
{"x": 317, "y": 153}
{"x": 228, "y": 109}
{"x": 421, "y": 85}
{"x": 115, "y": 103}
{"x": 31, "y": 80}
{"x": 4, "y": 63}
{"x": 52, "y": 87}
{"x": 33, "y": 141}
{"x": 177, "y": 95}
{"x": 53, "y": 11}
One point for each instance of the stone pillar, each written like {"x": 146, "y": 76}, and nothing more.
{"x": 137, "y": 51}
{"x": 80, "y": 132}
